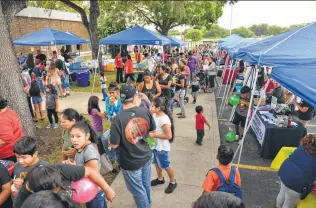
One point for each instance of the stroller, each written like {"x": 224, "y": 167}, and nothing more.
{"x": 202, "y": 80}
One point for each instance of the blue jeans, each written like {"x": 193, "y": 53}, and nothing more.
{"x": 104, "y": 93}
{"x": 98, "y": 201}
{"x": 113, "y": 153}
{"x": 192, "y": 74}
{"x": 138, "y": 183}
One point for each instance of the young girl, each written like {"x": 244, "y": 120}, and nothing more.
{"x": 67, "y": 119}
{"x": 103, "y": 85}
{"x": 37, "y": 100}
{"x": 195, "y": 88}
{"x": 164, "y": 134}
{"x": 52, "y": 106}
{"x": 83, "y": 138}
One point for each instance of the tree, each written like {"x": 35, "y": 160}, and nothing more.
{"x": 84, "y": 10}
{"x": 259, "y": 30}
{"x": 166, "y": 15}
{"x": 11, "y": 87}
{"x": 298, "y": 25}
{"x": 174, "y": 32}
{"x": 216, "y": 31}
{"x": 194, "y": 35}
{"x": 243, "y": 32}
{"x": 275, "y": 30}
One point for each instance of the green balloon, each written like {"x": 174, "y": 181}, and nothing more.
{"x": 230, "y": 136}
{"x": 151, "y": 142}
{"x": 234, "y": 100}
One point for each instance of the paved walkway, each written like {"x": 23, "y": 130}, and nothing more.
{"x": 190, "y": 162}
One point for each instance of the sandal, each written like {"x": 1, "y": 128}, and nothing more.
{"x": 179, "y": 114}
{"x": 182, "y": 116}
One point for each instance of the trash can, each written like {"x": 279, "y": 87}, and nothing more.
{"x": 82, "y": 78}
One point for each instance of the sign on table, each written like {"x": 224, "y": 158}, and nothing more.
{"x": 258, "y": 128}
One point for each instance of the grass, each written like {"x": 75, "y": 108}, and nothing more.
{"x": 110, "y": 76}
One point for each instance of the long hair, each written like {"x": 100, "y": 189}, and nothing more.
{"x": 160, "y": 103}
{"x": 71, "y": 114}
{"x": 52, "y": 89}
{"x": 30, "y": 61}
{"x": 86, "y": 128}
{"x": 34, "y": 89}
{"x": 93, "y": 103}
{"x": 52, "y": 69}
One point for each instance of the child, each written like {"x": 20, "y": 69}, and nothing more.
{"x": 242, "y": 111}
{"x": 52, "y": 106}
{"x": 67, "y": 119}
{"x": 212, "y": 181}
{"x": 5, "y": 191}
{"x": 195, "y": 88}
{"x": 164, "y": 134}
{"x": 103, "y": 85}
{"x": 36, "y": 95}
{"x": 25, "y": 150}
{"x": 200, "y": 120}
{"x": 113, "y": 104}
{"x": 128, "y": 69}
{"x": 83, "y": 139}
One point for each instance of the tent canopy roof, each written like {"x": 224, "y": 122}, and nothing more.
{"x": 175, "y": 41}
{"x": 86, "y": 40}
{"x": 229, "y": 40}
{"x": 135, "y": 36}
{"x": 47, "y": 37}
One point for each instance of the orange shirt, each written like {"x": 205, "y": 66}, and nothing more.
{"x": 128, "y": 68}
{"x": 118, "y": 62}
{"x": 212, "y": 181}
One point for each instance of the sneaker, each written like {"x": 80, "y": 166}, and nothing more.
{"x": 103, "y": 99}
{"x": 199, "y": 143}
{"x": 157, "y": 182}
{"x": 171, "y": 187}
{"x": 50, "y": 126}
{"x": 55, "y": 126}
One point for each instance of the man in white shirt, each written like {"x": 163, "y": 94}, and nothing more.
{"x": 149, "y": 62}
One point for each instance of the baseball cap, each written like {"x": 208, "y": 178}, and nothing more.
{"x": 127, "y": 92}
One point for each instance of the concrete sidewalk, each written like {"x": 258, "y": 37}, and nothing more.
{"x": 190, "y": 162}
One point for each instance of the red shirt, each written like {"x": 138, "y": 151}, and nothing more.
{"x": 138, "y": 56}
{"x": 270, "y": 86}
{"x": 199, "y": 121}
{"x": 118, "y": 62}
{"x": 128, "y": 67}
{"x": 11, "y": 131}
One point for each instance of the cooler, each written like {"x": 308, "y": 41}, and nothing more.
{"x": 82, "y": 78}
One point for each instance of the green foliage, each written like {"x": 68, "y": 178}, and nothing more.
{"x": 297, "y": 25}
{"x": 194, "y": 35}
{"x": 259, "y": 30}
{"x": 275, "y": 30}
{"x": 243, "y": 32}
{"x": 215, "y": 31}
{"x": 174, "y": 32}
{"x": 57, "y": 5}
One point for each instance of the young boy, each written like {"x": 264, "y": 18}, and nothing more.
{"x": 200, "y": 120}
{"x": 195, "y": 88}
{"x": 103, "y": 85}
{"x": 27, "y": 156}
{"x": 5, "y": 188}
{"x": 212, "y": 181}
{"x": 242, "y": 111}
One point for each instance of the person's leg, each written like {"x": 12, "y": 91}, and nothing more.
{"x": 41, "y": 110}
{"x": 291, "y": 197}
{"x": 121, "y": 75}
{"x": 104, "y": 94}
{"x": 134, "y": 184}
{"x": 50, "y": 117}
{"x": 60, "y": 90}
{"x": 212, "y": 82}
{"x": 181, "y": 101}
{"x": 30, "y": 106}
{"x": 281, "y": 196}
{"x": 55, "y": 117}
{"x": 159, "y": 172}
{"x": 117, "y": 75}
{"x": 35, "y": 110}
{"x": 146, "y": 177}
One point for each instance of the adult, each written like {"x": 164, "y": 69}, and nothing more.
{"x": 305, "y": 112}
{"x": 53, "y": 77}
{"x": 138, "y": 56}
{"x": 26, "y": 78}
{"x": 54, "y": 56}
{"x": 211, "y": 74}
{"x": 149, "y": 87}
{"x": 62, "y": 51}
{"x": 149, "y": 62}
{"x": 129, "y": 132}
{"x": 165, "y": 81}
{"x": 41, "y": 57}
{"x": 278, "y": 92}
{"x": 260, "y": 78}
{"x": 180, "y": 90}
{"x": 11, "y": 130}
{"x": 118, "y": 62}
{"x": 192, "y": 63}
{"x": 30, "y": 63}
{"x": 128, "y": 69}
{"x": 298, "y": 173}
{"x": 64, "y": 74}
{"x": 185, "y": 69}
{"x": 270, "y": 87}
{"x": 39, "y": 74}
{"x": 67, "y": 56}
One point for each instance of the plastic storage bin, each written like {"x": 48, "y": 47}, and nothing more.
{"x": 74, "y": 66}
{"x": 82, "y": 78}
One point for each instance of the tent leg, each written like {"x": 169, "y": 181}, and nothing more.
{"x": 95, "y": 70}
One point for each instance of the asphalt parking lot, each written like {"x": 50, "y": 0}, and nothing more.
{"x": 260, "y": 185}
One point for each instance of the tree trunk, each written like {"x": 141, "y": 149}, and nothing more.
{"x": 93, "y": 26}
{"x": 11, "y": 86}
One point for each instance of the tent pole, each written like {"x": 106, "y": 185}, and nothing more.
{"x": 95, "y": 69}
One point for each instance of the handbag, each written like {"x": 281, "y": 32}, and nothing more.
{"x": 106, "y": 165}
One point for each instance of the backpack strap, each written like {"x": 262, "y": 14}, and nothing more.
{"x": 232, "y": 174}
{"x": 220, "y": 174}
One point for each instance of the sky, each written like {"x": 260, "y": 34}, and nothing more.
{"x": 282, "y": 13}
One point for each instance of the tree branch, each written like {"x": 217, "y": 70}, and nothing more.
{"x": 146, "y": 17}
{"x": 80, "y": 10}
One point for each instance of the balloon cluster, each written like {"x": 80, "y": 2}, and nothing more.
{"x": 230, "y": 136}
{"x": 234, "y": 100}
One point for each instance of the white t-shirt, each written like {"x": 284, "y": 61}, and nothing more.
{"x": 150, "y": 62}
{"x": 162, "y": 144}
{"x": 103, "y": 80}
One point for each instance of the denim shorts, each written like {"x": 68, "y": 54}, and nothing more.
{"x": 161, "y": 158}
{"x": 37, "y": 100}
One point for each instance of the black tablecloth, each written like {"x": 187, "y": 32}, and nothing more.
{"x": 276, "y": 137}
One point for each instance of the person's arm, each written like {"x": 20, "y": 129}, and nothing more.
{"x": 208, "y": 183}
{"x": 115, "y": 134}
{"x": 5, "y": 193}
{"x": 108, "y": 108}
{"x": 140, "y": 87}
{"x": 158, "y": 90}
{"x": 57, "y": 104}
{"x": 181, "y": 83}
{"x": 101, "y": 115}
{"x": 95, "y": 176}
{"x": 167, "y": 134}
{"x": 303, "y": 108}
{"x": 93, "y": 163}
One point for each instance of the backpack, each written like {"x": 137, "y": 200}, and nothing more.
{"x": 228, "y": 186}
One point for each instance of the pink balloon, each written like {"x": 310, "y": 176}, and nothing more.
{"x": 84, "y": 190}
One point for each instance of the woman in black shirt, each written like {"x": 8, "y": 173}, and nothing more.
{"x": 149, "y": 87}
{"x": 180, "y": 90}
{"x": 305, "y": 112}
{"x": 165, "y": 80}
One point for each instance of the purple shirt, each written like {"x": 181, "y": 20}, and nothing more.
{"x": 96, "y": 121}
{"x": 192, "y": 62}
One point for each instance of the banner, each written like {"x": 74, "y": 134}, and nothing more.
{"x": 258, "y": 128}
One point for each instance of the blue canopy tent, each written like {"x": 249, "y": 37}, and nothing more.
{"x": 48, "y": 37}
{"x": 175, "y": 42}
{"x": 87, "y": 41}
{"x": 294, "y": 47}
{"x": 229, "y": 40}
{"x": 245, "y": 42}
{"x": 135, "y": 36}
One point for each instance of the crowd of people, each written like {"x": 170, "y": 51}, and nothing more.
{"x": 142, "y": 130}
